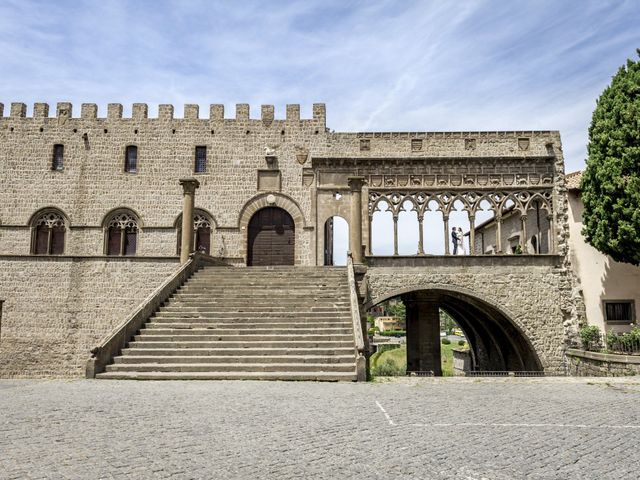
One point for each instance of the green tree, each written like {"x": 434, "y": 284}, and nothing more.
{"x": 611, "y": 181}
{"x": 447, "y": 323}
{"x": 396, "y": 308}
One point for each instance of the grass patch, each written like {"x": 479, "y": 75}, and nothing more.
{"x": 394, "y": 362}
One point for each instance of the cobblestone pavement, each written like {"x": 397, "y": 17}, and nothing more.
{"x": 409, "y": 428}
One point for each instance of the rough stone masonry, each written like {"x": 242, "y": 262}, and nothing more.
{"x": 62, "y": 287}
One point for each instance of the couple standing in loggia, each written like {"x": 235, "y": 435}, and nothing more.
{"x": 457, "y": 238}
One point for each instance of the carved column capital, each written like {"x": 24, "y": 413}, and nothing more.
{"x": 355, "y": 183}
{"x": 189, "y": 185}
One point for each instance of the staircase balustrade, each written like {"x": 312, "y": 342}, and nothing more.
{"x": 361, "y": 366}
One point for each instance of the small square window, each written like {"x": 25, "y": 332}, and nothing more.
{"x": 58, "y": 158}
{"x": 365, "y": 145}
{"x": 619, "y": 311}
{"x": 201, "y": 160}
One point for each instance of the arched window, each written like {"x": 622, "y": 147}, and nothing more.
{"x": 48, "y": 233}
{"x": 121, "y": 234}
{"x": 131, "y": 159}
{"x": 201, "y": 233}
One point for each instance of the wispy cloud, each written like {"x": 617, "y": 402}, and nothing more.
{"x": 386, "y": 65}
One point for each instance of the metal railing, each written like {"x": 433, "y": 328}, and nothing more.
{"x": 616, "y": 343}
{"x": 500, "y": 373}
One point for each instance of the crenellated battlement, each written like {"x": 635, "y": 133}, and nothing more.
{"x": 140, "y": 111}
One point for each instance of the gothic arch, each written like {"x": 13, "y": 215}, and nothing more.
{"x": 49, "y": 228}
{"x": 203, "y": 221}
{"x": 115, "y": 211}
{"x": 121, "y": 228}
{"x": 214, "y": 223}
{"x": 50, "y": 209}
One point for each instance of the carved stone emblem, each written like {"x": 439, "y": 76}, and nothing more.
{"x": 302, "y": 155}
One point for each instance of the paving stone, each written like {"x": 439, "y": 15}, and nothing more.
{"x": 442, "y": 429}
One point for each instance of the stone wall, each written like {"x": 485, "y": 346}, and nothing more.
{"x": 594, "y": 364}
{"x": 93, "y": 181}
{"x": 56, "y": 309}
{"x": 534, "y": 298}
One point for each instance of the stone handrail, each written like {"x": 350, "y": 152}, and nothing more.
{"x": 114, "y": 342}
{"x": 357, "y": 324}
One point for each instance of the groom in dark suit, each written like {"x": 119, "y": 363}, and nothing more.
{"x": 454, "y": 239}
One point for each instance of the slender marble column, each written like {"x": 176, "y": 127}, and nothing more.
{"x": 523, "y": 240}
{"x": 446, "y": 234}
{"x": 189, "y": 186}
{"x": 420, "y": 235}
{"x": 395, "y": 235}
{"x": 472, "y": 235}
{"x": 552, "y": 235}
{"x": 498, "y": 233}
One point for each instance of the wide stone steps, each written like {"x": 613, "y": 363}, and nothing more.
{"x": 231, "y": 367}
{"x": 247, "y": 344}
{"x": 273, "y": 323}
{"x": 246, "y": 337}
{"x": 192, "y": 332}
{"x": 318, "y": 376}
{"x": 250, "y": 324}
{"x": 234, "y": 359}
{"x": 251, "y": 309}
{"x": 204, "y": 318}
{"x": 253, "y": 351}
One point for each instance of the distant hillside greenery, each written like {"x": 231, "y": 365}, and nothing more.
{"x": 611, "y": 182}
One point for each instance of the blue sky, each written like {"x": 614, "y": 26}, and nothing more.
{"x": 379, "y": 65}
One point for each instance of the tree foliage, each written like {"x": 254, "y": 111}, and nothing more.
{"x": 611, "y": 181}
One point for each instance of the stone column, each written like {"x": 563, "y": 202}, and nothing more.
{"x": 369, "y": 239}
{"x": 498, "y": 233}
{"x": 420, "y": 235}
{"x": 395, "y": 235}
{"x": 523, "y": 239}
{"x": 423, "y": 333}
{"x": 472, "y": 235}
{"x": 412, "y": 327}
{"x": 551, "y": 235}
{"x": 446, "y": 233}
{"x": 189, "y": 186}
{"x": 355, "y": 225}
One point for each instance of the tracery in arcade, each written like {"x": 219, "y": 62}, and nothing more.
{"x": 501, "y": 221}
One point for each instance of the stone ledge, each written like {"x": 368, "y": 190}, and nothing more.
{"x": 604, "y": 357}
{"x": 464, "y": 260}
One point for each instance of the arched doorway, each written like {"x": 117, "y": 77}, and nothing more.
{"x": 496, "y": 343}
{"x": 271, "y": 238}
{"x": 336, "y": 241}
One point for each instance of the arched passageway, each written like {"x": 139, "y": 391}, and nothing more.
{"x": 336, "y": 241}
{"x": 271, "y": 238}
{"x": 497, "y": 344}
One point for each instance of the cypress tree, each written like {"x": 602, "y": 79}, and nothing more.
{"x": 611, "y": 181}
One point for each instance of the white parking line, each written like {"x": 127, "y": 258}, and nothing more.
{"x": 521, "y": 425}
{"x": 386, "y": 415}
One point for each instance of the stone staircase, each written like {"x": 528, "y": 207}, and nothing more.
{"x": 263, "y": 323}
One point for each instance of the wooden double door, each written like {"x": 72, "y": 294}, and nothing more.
{"x": 271, "y": 238}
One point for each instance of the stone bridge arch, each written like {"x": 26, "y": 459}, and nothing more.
{"x": 512, "y": 317}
